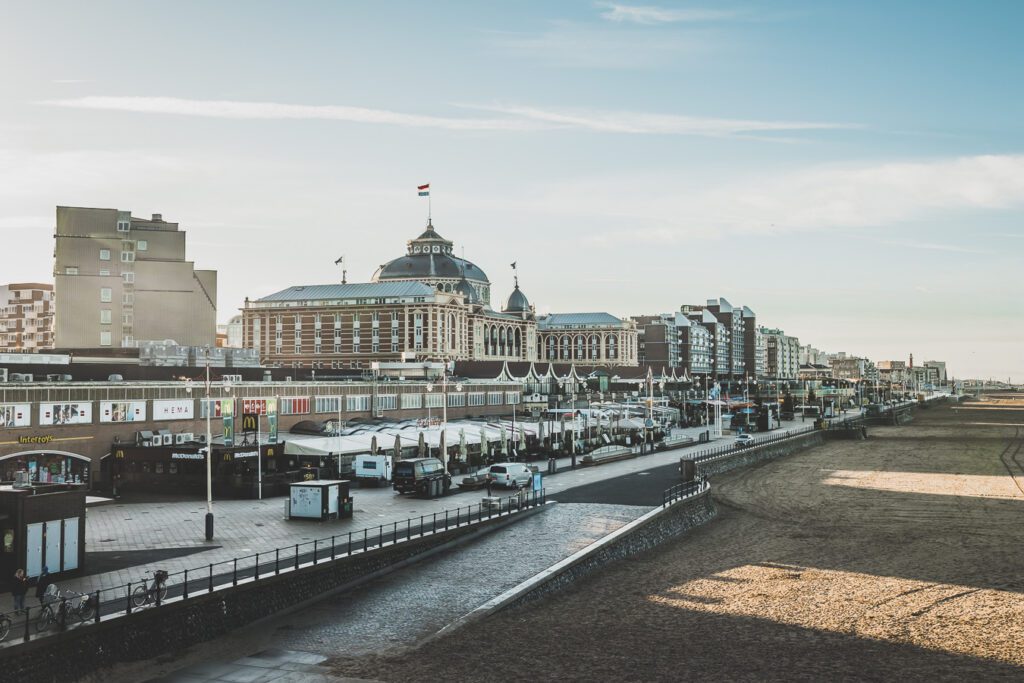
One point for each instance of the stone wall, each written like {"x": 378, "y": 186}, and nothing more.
{"x": 177, "y": 624}
{"x": 752, "y": 454}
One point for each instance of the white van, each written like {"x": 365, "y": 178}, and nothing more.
{"x": 372, "y": 470}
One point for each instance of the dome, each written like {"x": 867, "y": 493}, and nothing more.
{"x": 429, "y": 256}
{"x": 517, "y": 302}
{"x": 467, "y": 291}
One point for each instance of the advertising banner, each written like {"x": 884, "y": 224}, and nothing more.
{"x": 255, "y": 405}
{"x": 250, "y": 424}
{"x": 122, "y": 411}
{"x": 227, "y": 413}
{"x": 65, "y": 413}
{"x": 272, "y": 420}
{"x": 173, "y": 409}
{"x": 15, "y": 415}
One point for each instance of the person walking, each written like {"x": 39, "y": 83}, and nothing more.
{"x": 43, "y": 584}
{"x": 19, "y": 590}
{"x": 488, "y": 484}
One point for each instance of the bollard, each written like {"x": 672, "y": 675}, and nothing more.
{"x": 314, "y": 550}
{"x": 332, "y": 547}
{"x": 296, "y": 555}
{"x": 96, "y": 617}
{"x": 277, "y": 561}
{"x": 256, "y": 570}
{"x": 234, "y": 572}
{"x": 184, "y": 590}
{"x": 129, "y": 610}
{"x": 349, "y": 543}
{"x": 211, "y": 578}
{"x": 27, "y": 636}
{"x": 364, "y": 540}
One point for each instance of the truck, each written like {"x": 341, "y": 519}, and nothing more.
{"x": 373, "y": 470}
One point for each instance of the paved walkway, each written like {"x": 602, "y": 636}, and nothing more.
{"x": 244, "y": 527}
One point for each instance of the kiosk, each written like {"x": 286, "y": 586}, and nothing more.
{"x": 319, "y": 499}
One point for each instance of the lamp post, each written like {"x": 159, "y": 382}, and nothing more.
{"x": 444, "y": 410}
{"x": 209, "y": 444}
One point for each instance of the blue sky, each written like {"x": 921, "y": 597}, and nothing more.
{"x": 854, "y": 172}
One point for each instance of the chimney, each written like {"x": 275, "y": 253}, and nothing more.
{"x": 158, "y": 217}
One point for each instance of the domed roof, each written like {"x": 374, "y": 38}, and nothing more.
{"x": 429, "y": 256}
{"x": 517, "y": 302}
{"x": 466, "y": 290}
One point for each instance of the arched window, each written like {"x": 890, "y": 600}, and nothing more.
{"x": 501, "y": 341}
{"x": 612, "y": 343}
{"x": 452, "y": 333}
{"x": 552, "y": 350}
{"x": 565, "y": 348}
{"x": 594, "y": 341}
{"x": 487, "y": 342}
{"x": 579, "y": 355}
{"x": 518, "y": 350}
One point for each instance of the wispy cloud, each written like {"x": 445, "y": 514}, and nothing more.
{"x": 646, "y": 123}
{"x": 228, "y": 109}
{"x": 513, "y": 119}
{"x": 649, "y": 14}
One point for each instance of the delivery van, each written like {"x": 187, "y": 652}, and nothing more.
{"x": 373, "y": 470}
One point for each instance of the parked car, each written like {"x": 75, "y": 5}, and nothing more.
{"x": 744, "y": 440}
{"x": 423, "y": 476}
{"x": 512, "y": 475}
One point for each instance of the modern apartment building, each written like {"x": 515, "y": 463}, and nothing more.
{"x": 781, "y": 354}
{"x": 121, "y": 279}
{"x": 674, "y": 340}
{"x": 26, "y": 317}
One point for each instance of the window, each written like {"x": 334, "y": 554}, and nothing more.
{"x": 494, "y": 398}
{"x": 123, "y": 226}
{"x": 412, "y": 401}
{"x": 105, "y": 338}
{"x": 71, "y": 270}
{"x": 328, "y": 404}
{"x": 126, "y": 318}
{"x": 357, "y": 403}
{"x": 143, "y": 245}
{"x": 127, "y": 256}
{"x": 104, "y": 272}
{"x": 434, "y": 400}
{"x": 128, "y": 278}
{"x": 295, "y": 406}
{"x": 105, "y": 316}
{"x": 512, "y": 397}
{"x": 104, "y": 254}
{"x": 476, "y": 399}
{"x": 105, "y": 295}
{"x": 387, "y": 402}
{"x": 456, "y": 400}
{"x": 127, "y": 298}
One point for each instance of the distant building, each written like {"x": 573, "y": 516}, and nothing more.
{"x": 940, "y": 370}
{"x": 426, "y": 306}
{"x": 229, "y": 335}
{"x": 673, "y": 340}
{"x": 849, "y": 367}
{"x": 781, "y": 355}
{"x": 26, "y": 317}
{"x": 121, "y": 279}
{"x": 587, "y": 338}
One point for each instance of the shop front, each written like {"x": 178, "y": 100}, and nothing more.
{"x": 46, "y": 467}
{"x": 181, "y": 470}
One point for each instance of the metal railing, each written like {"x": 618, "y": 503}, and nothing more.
{"x": 59, "y": 612}
{"x": 683, "y": 491}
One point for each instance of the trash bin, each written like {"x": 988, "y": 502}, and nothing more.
{"x": 688, "y": 469}
{"x": 552, "y": 465}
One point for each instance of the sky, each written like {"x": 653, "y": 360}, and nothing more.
{"x": 853, "y": 172}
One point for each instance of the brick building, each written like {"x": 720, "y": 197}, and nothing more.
{"x": 26, "y": 317}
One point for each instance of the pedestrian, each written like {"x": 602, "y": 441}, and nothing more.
{"x": 43, "y": 584}
{"x": 488, "y": 484}
{"x": 19, "y": 590}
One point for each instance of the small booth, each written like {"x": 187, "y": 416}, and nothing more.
{"x": 41, "y": 525}
{"x": 320, "y": 499}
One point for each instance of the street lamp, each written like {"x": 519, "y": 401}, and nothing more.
{"x": 209, "y": 445}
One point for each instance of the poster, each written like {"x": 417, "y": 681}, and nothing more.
{"x": 65, "y": 413}
{"x": 272, "y": 420}
{"x": 122, "y": 411}
{"x": 227, "y": 413}
{"x": 15, "y": 415}
{"x": 173, "y": 409}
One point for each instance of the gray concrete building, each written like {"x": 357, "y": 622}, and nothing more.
{"x": 121, "y": 279}
{"x": 781, "y": 354}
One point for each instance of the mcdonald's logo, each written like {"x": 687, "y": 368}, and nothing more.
{"x": 227, "y": 457}
{"x": 270, "y": 452}
{"x": 250, "y": 423}
{"x": 119, "y": 454}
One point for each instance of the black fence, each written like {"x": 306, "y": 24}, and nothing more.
{"x": 60, "y": 610}
{"x": 683, "y": 491}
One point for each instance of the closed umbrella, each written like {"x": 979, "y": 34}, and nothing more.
{"x": 540, "y": 433}
{"x": 522, "y": 436}
{"x": 373, "y": 445}
{"x": 397, "y": 455}
{"x": 561, "y": 432}
{"x": 422, "y": 447}
{"x": 501, "y": 444}
{"x": 444, "y": 448}
{"x": 463, "y": 451}
{"x": 483, "y": 442}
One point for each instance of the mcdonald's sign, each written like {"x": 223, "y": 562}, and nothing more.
{"x": 250, "y": 423}
{"x": 119, "y": 454}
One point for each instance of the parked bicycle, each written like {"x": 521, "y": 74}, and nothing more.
{"x": 154, "y": 591}
{"x": 69, "y": 607}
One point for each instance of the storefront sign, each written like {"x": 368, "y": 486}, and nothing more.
{"x": 250, "y": 423}
{"x": 65, "y": 413}
{"x": 14, "y": 415}
{"x": 260, "y": 406}
{"x": 246, "y": 454}
{"x": 173, "y": 409}
{"x": 188, "y": 456}
{"x": 272, "y": 420}
{"x": 35, "y": 439}
{"x": 122, "y": 411}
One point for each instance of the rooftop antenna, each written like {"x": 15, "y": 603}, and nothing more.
{"x": 344, "y": 273}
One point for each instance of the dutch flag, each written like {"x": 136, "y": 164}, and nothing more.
{"x": 424, "y": 190}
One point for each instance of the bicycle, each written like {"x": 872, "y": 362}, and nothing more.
{"x": 154, "y": 592}
{"x": 72, "y": 607}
